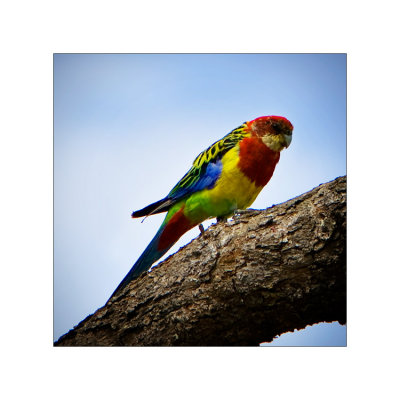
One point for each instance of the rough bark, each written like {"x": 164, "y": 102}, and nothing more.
{"x": 242, "y": 282}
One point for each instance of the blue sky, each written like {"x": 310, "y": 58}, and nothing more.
{"x": 128, "y": 126}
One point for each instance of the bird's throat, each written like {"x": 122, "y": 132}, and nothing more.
{"x": 257, "y": 161}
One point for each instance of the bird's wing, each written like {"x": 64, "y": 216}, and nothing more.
{"x": 207, "y": 166}
{"x": 204, "y": 173}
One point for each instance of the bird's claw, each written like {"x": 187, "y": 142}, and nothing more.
{"x": 201, "y": 227}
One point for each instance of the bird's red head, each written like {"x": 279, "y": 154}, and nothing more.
{"x": 274, "y": 131}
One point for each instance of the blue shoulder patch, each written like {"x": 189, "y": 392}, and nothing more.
{"x": 206, "y": 181}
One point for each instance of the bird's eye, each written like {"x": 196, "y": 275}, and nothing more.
{"x": 275, "y": 126}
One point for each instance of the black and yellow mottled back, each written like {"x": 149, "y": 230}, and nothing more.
{"x": 203, "y": 174}
{"x": 212, "y": 154}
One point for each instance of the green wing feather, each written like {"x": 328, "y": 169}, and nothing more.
{"x": 192, "y": 179}
{"x": 203, "y": 173}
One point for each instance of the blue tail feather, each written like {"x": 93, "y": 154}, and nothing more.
{"x": 145, "y": 261}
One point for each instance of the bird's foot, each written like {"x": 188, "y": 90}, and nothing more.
{"x": 245, "y": 211}
{"x": 201, "y": 227}
{"x": 248, "y": 211}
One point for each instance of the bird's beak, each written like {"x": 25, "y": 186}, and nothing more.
{"x": 288, "y": 140}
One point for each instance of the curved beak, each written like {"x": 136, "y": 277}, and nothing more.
{"x": 288, "y": 140}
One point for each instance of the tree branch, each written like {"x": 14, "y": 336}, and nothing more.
{"x": 243, "y": 282}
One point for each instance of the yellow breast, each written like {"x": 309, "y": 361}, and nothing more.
{"x": 232, "y": 191}
{"x": 233, "y": 184}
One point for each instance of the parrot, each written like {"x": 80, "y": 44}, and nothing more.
{"x": 224, "y": 178}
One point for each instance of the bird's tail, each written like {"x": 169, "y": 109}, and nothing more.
{"x": 148, "y": 257}
{"x": 173, "y": 227}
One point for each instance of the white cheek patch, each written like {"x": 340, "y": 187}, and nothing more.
{"x": 272, "y": 142}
